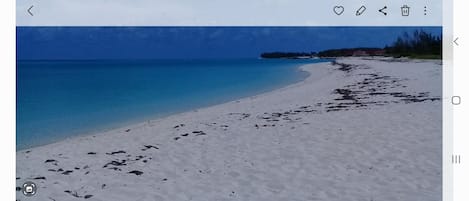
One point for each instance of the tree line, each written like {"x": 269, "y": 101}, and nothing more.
{"x": 419, "y": 44}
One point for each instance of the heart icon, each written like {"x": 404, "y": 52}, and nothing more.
{"x": 338, "y": 10}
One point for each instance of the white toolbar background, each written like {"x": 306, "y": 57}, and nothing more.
{"x": 225, "y": 13}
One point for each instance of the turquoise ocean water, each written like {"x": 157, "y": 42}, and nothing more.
{"x": 60, "y": 99}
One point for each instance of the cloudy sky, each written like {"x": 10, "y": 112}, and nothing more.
{"x": 194, "y": 42}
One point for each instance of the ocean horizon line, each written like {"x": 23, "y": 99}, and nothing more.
{"x": 139, "y": 59}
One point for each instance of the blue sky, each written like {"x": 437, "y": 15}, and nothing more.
{"x": 77, "y": 43}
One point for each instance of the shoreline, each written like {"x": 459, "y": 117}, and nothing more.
{"x": 359, "y": 129}
{"x": 131, "y": 124}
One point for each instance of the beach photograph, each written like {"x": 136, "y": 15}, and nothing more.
{"x": 229, "y": 113}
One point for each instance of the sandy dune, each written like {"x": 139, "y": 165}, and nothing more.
{"x": 358, "y": 129}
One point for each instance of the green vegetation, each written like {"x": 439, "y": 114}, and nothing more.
{"x": 421, "y": 45}
{"x": 348, "y": 52}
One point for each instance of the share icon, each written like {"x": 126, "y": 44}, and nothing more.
{"x": 382, "y": 10}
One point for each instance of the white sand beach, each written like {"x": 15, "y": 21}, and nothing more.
{"x": 361, "y": 129}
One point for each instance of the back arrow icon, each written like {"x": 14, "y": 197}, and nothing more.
{"x": 382, "y": 10}
{"x": 29, "y": 10}
{"x": 455, "y": 41}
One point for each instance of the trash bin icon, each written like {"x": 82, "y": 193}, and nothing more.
{"x": 405, "y": 10}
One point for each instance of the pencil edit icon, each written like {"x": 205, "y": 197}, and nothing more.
{"x": 360, "y": 11}
{"x": 405, "y": 10}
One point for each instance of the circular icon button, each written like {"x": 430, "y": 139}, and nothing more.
{"x": 29, "y": 188}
